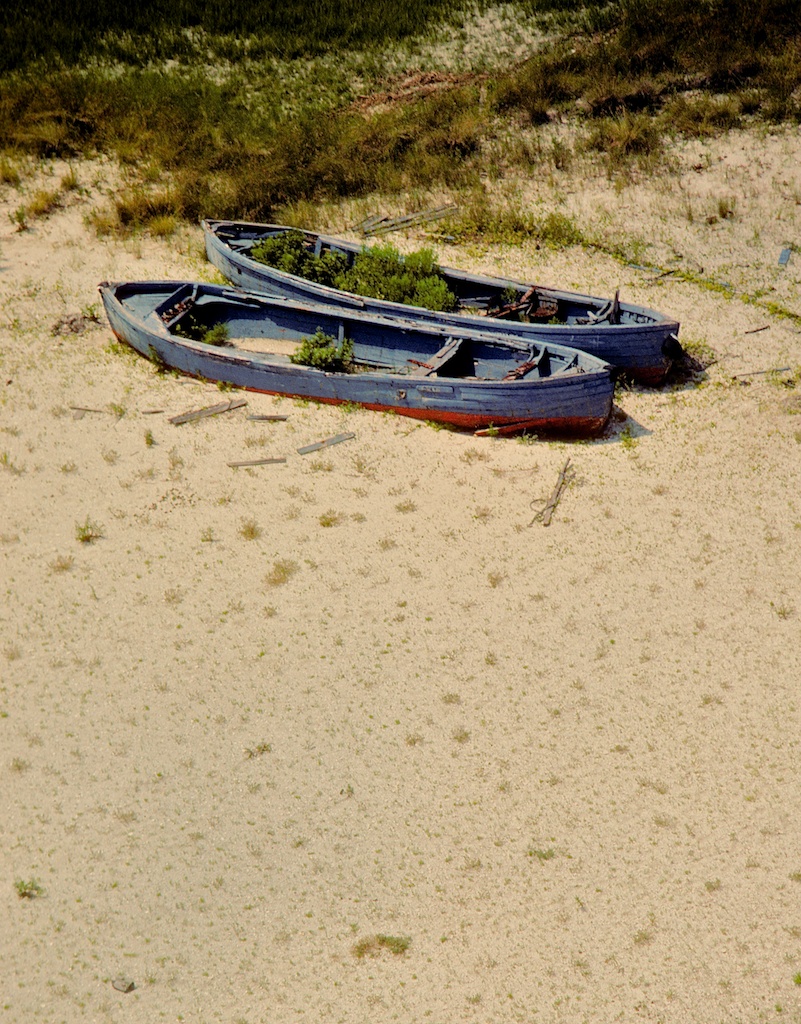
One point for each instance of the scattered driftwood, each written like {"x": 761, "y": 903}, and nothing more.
{"x": 337, "y": 439}
{"x": 256, "y": 462}
{"x": 269, "y": 419}
{"x": 546, "y": 512}
{"x": 152, "y": 412}
{"x": 759, "y": 373}
{"x": 209, "y": 410}
{"x": 381, "y": 225}
{"x": 757, "y": 330}
{"x": 665, "y": 273}
{"x": 79, "y": 411}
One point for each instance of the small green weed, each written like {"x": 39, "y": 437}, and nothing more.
{"x": 542, "y": 855}
{"x": 88, "y": 531}
{"x": 10, "y": 466}
{"x": 29, "y": 890}
{"x": 217, "y": 335}
{"x": 19, "y": 218}
{"x": 69, "y": 180}
{"x": 258, "y": 750}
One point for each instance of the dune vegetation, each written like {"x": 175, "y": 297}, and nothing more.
{"x": 236, "y": 111}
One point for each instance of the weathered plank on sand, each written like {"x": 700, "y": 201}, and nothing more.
{"x": 337, "y": 439}
{"x": 209, "y": 410}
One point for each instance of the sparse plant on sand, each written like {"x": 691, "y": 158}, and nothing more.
{"x": 10, "y": 466}
{"x": 88, "y": 531}
{"x": 282, "y": 571}
{"x": 250, "y": 529}
{"x": 542, "y": 855}
{"x": 258, "y": 750}
{"x": 374, "y": 945}
{"x": 29, "y": 890}
{"x": 330, "y": 518}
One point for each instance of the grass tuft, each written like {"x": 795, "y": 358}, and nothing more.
{"x": 282, "y": 571}
{"x": 374, "y": 945}
{"x": 250, "y": 529}
{"x": 29, "y": 890}
{"x": 88, "y": 531}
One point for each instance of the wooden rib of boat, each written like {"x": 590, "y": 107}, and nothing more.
{"x": 466, "y": 378}
{"x": 638, "y": 341}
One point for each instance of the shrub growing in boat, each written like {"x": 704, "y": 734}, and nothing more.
{"x": 290, "y": 253}
{"x": 322, "y": 352}
{"x": 379, "y": 272}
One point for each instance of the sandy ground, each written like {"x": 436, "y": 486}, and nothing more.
{"x": 272, "y": 713}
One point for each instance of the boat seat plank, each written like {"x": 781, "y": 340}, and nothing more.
{"x": 435, "y": 363}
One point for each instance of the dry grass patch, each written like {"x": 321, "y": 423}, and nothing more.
{"x": 282, "y": 571}
{"x": 374, "y": 945}
{"x": 62, "y": 564}
{"x": 250, "y": 529}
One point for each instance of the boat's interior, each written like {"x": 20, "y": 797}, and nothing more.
{"x": 275, "y": 329}
{"x": 498, "y": 298}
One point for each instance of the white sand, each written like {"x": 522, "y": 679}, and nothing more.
{"x": 564, "y": 762}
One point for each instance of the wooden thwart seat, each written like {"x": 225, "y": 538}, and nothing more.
{"x": 541, "y": 362}
{"x": 451, "y": 350}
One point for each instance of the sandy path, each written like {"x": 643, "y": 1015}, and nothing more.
{"x": 563, "y": 762}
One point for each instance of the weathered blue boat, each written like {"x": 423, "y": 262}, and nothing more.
{"x": 429, "y": 371}
{"x": 638, "y": 341}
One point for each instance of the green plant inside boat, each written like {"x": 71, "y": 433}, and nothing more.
{"x": 379, "y": 272}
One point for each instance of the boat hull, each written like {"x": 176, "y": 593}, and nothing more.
{"x": 643, "y": 345}
{"x": 576, "y": 402}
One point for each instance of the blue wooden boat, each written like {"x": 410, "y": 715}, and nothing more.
{"x": 429, "y": 371}
{"x": 638, "y": 341}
